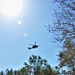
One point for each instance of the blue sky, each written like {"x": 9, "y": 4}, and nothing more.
{"x": 15, "y": 38}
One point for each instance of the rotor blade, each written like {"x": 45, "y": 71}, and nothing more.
{"x": 39, "y": 45}
{"x": 30, "y": 44}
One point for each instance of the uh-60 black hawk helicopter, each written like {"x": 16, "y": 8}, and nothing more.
{"x": 33, "y": 46}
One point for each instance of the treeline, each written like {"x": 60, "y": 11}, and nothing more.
{"x": 36, "y": 66}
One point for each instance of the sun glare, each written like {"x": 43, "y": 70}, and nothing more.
{"x": 19, "y": 22}
{"x": 11, "y": 8}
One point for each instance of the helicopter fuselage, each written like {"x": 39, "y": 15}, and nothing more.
{"x": 34, "y": 46}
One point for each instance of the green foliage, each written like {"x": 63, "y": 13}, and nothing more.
{"x": 36, "y": 66}
{"x": 64, "y": 20}
{"x": 1, "y": 73}
{"x": 63, "y": 29}
{"x": 67, "y": 55}
{"x": 39, "y": 66}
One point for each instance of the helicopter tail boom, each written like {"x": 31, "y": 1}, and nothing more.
{"x": 29, "y": 48}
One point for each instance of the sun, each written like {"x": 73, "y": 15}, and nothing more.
{"x": 11, "y": 8}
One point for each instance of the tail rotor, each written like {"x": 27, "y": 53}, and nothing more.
{"x": 29, "y": 48}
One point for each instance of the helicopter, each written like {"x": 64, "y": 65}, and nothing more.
{"x": 33, "y": 46}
